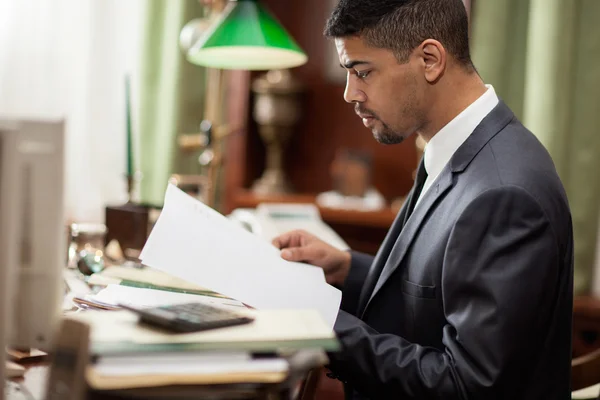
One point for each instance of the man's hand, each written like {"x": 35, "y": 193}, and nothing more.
{"x": 301, "y": 246}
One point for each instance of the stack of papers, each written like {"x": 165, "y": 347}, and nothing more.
{"x": 184, "y": 368}
{"x": 116, "y": 295}
{"x": 145, "y": 277}
{"x": 193, "y": 242}
{"x": 110, "y": 373}
{"x": 129, "y": 355}
{"x": 186, "y": 363}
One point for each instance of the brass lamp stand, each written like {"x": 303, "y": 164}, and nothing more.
{"x": 211, "y": 138}
{"x": 276, "y": 111}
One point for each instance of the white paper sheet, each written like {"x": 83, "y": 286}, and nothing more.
{"x": 187, "y": 364}
{"x": 196, "y": 243}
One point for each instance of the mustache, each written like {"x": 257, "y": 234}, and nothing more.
{"x": 364, "y": 111}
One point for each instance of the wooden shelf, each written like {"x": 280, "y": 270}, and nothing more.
{"x": 376, "y": 219}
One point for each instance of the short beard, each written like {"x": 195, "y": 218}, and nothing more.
{"x": 387, "y": 136}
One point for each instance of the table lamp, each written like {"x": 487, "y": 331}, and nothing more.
{"x": 246, "y": 36}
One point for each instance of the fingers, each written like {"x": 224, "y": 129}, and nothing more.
{"x": 290, "y": 239}
{"x": 281, "y": 241}
{"x": 310, "y": 254}
{"x": 296, "y": 254}
{"x": 291, "y": 254}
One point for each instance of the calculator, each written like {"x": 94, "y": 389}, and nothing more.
{"x": 189, "y": 317}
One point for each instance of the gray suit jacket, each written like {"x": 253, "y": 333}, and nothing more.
{"x": 472, "y": 298}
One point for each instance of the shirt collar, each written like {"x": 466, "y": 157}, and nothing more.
{"x": 444, "y": 144}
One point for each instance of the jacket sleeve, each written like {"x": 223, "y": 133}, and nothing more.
{"x": 499, "y": 280}
{"x": 359, "y": 268}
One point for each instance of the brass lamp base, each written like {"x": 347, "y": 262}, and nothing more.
{"x": 276, "y": 112}
{"x": 272, "y": 182}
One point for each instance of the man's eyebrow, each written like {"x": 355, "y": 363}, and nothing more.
{"x": 352, "y": 64}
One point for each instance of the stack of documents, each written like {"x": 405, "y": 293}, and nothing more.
{"x": 147, "y": 370}
{"x": 194, "y": 242}
{"x": 146, "y": 277}
{"x": 144, "y": 287}
{"x": 115, "y": 295}
{"x": 127, "y": 354}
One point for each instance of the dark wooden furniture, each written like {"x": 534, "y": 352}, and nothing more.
{"x": 128, "y": 224}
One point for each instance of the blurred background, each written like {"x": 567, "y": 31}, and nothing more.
{"x": 142, "y": 108}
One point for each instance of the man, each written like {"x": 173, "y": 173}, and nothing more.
{"x": 470, "y": 294}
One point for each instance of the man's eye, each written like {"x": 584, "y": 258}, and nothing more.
{"x": 362, "y": 75}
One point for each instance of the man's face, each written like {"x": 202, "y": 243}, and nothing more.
{"x": 387, "y": 95}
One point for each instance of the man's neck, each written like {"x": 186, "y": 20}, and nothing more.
{"x": 453, "y": 98}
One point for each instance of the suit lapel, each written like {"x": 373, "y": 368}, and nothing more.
{"x": 399, "y": 239}
{"x": 382, "y": 255}
{"x": 441, "y": 185}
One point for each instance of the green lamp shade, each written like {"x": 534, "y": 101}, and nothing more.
{"x": 246, "y": 36}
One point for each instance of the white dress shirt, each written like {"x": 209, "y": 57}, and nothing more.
{"x": 442, "y": 146}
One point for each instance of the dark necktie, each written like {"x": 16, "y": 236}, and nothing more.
{"x": 417, "y": 188}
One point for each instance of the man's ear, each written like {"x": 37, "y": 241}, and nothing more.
{"x": 434, "y": 59}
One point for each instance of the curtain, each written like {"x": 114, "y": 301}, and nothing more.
{"x": 543, "y": 58}
{"x": 171, "y": 96}
{"x": 67, "y": 59}
{"x": 596, "y": 286}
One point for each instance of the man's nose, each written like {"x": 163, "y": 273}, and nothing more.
{"x": 352, "y": 94}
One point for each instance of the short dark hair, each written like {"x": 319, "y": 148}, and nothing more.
{"x": 401, "y": 25}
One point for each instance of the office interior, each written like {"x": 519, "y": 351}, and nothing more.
{"x": 271, "y": 147}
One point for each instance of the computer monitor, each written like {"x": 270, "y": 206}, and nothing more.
{"x": 32, "y": 233}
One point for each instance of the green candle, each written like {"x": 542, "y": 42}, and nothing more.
{"x": 128, "y": 122}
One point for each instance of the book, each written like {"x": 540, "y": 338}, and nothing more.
{"x": 164, "y": 369}
{"x": 118, "y": 333}
{"x": 166, "y": 375}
